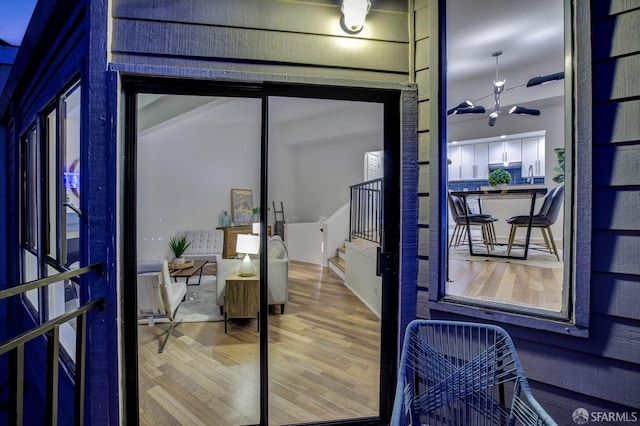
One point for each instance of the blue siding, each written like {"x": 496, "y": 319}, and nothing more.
{"x": 599, "y": 371}
{"x": 58, "y": 37}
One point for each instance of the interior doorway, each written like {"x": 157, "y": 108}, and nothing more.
{"x": 317, "y": 355}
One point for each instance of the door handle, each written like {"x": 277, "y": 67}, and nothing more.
{"x": 385, "y": 262}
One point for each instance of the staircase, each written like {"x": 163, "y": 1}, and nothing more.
{"x": 337, "y": 263}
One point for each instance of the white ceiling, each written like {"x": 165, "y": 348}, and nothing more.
{"x": 530, "y": 33}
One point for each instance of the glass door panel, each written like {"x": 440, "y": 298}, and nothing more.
{"x": 198, "y": 176}
{"x": 71, "y": 178}
{"x": 324, "y": 296}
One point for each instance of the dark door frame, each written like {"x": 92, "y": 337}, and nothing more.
{"x": 132, "y": 86}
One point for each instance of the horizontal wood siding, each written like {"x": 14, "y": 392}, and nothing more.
{"x": 423, "y": 43}
{"x": 386, "y": 20}
{"x": 601, "y": 371}
{"x": 299, "y": 35}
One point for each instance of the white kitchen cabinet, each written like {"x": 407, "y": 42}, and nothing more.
{"x": 482, "y": 160}
{"x": 475, "y": 161}
{"x": 469, "y": 162}
{"x": 455, "y": 168}
{"x": 533, "y": 152}
{"x": 507, "y": 151}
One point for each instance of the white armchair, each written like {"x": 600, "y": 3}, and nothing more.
{"x": 158, "y": 297}
{"x": 277, "y": 273}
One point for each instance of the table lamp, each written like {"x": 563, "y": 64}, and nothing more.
{"x": 247, "y": 244}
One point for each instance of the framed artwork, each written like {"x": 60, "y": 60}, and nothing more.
{"x": 241, "y": 207}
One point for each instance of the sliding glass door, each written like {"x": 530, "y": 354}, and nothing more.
{"x": 324, "y": 348}
{"x": 278, "y": 316}
{"x": 195, "y": 155}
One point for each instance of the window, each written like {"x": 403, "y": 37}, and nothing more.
{"x": 498, "y": 115}
{"x": 30, "y": 213}
{"x": 50, "y": 207}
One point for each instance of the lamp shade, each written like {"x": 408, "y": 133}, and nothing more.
{"x": 248, "y": 244}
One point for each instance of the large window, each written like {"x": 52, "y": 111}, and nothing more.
{"x": 507, "y": 84}
{"x": 50, "y": 210}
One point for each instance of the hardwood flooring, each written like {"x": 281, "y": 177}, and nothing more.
{"x": 323, "y": 362}
{"x": 510, "y": 282}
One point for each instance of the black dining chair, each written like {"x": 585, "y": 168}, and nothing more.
{"x": 484, "y": 221}
{"x": 546, "y": 217}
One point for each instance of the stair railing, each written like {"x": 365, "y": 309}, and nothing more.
{"x": 15, "y": 349}
{"x": 366, "y": 216}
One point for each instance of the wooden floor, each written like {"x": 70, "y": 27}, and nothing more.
{"x": 509, "y": 282}
{"x": 323, "y": 362}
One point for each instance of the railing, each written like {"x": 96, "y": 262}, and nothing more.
{"x": 366, "y": 216}
{"x": 15, "y": 349}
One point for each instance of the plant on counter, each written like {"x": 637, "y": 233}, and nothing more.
{"x": 178, "y": 246}
{"x": 499, "y": 177}
{"x": 559, "y": 177}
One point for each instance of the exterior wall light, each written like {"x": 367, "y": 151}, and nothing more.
{"x": 353, "y": 15}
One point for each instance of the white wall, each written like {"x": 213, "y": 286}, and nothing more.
{"x": 187, "y": 167}
{"x": 186, "y": 172}
{"x": 361, "y": 276}
{"x": 315, "y": 159}
{"x": 325, "y": 172}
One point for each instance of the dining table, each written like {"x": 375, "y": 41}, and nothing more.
{"x": 500, "y": 194}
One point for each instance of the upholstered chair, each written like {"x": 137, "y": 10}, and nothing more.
{"x": 158, "y": 296}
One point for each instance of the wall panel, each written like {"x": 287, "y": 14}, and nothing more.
{"x": 615, "y": 165}
{"x": 279, "y": 16}
{"x": 622, "y": 30}
{"x": 282, "y": 37}
{"x": 624, "y": 207}
{"x": 238, "y": 44}
{"x": 616, "y": 252}
{"x": 616, "y": 295}
{"x": 618, "y": 122}
{"x": 188, "y": 67}
{"x": 618, "y": 79}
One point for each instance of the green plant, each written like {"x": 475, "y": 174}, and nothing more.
{"x": 498, "y": 177}
{"x": 256, "y": 210}
{"x": 178, "y": 245}
{"x": 559, "y": 177}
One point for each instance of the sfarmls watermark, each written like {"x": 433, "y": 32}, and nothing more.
{"x": 581, "y": 416}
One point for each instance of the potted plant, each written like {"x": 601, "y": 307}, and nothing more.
{"x": 178, "y": 246}
{"x": 559, "y": 177}
{"x": 499, "y": 178}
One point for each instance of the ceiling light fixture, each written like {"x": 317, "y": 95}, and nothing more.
{"x": 354, "y": 13}
{"x": 466, "y": 107}
{"x": 499, "y": 86}
{"x": 544, "y": 79}
{"x": 516, "y": 109}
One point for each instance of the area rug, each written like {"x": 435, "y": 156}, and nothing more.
{"x": 200, "y": 304}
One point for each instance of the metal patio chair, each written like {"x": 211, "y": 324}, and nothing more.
{"x": 457, "y": 373}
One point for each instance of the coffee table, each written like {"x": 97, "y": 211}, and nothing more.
{"x": 189, "y": 272}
